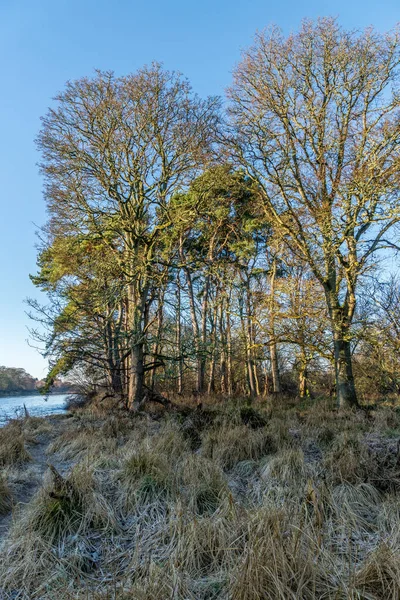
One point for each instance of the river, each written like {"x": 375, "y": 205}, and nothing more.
{"x": 37, "y": 406}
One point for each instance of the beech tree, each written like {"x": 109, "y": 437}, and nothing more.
{"x": 315, "y": 121}
{"x": 115, "y": 149}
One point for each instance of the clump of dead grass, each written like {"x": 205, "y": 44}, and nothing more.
{"x": 347, "y": 460}
{"x": 12, "y": 445}
{"x": 144, "y": 477}
{"x": 76, "y": 443}
{"x": 203, "y": 545}
{"x": 68, "y": 505}
{"x": 5, "y": 496}
{"x": 355, "y": 505}
{"x": 228, "y": 446}
{"x": 278, "y": 560}
{"x": 35, "y": 426}
{"x": 287, "y": 466}
{"x": 379, "y": 577}
{"x": 203, "y": 484}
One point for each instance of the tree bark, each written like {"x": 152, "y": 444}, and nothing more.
{"x": 229, "y": 365}
{"x": 136, "y": 379}
{"x": 265, "y": 393}
{"x": 223, "y": 356}
{"x": 346, "y": 396}
{"x": 195, "y": 324}
{"x": 252, "y": 367}
{"x": 179, "y": 339}
{"x": 157, "y": 343}
{"x": 303, "y": 379}
{"x": 137, "y": 307}
{"x": 213, "y": 340}
{"x": 203, "y": 340}
{"x": 345, "y": 388}
{"x": 246, "y": 330}
{"x": 273, "y": 351}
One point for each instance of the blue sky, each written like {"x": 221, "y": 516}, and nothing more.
{"x": 44, "y": 43}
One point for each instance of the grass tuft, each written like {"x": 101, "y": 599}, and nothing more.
{"x": 379, "y": 577}
{"x": 5, "y": 497}
{"x": 12, "y": 445}
{"x": 228, "y": 446}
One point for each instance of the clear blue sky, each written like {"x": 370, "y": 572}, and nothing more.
{"x": 43, "y": 43}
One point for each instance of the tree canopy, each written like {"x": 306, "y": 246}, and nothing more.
{"x": 201, "y": 250}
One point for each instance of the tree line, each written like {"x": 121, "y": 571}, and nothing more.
{"x": 13, "y": 379}
{"x": 233, "y": 248}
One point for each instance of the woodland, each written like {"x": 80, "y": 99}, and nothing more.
{"x": 221, "y": 287}
{"x": 238, "y": 248}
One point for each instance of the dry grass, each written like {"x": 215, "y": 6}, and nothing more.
{"x": 279, "y": 560}
{"x": 5, "y": 496}
{"x": 72, "y": 506}
{"x": 80, "y": 441}
{"x": 202, "y": 484}
{"x": 289, "y": 506}
{"x": 12, "y": 444}
{"x": 229, "y": 445}
{"x": 347, "y": 459}
{"x": 379, "y": 576}
{"x": 287, "y": 467}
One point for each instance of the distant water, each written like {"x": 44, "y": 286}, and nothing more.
{"x": 37, "y": 406}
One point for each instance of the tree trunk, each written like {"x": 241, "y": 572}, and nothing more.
{"x": 273, "y": 351}
{"x": 213, "y": 340}
{"x": 157, "y": 343}
{"x": 203, "y": 343}
{"x": 303, "y": 387}
{"x": 346, "y": 396}
{"x": 256, "y": 380}
{"x": 265, "y": 393}
{"x": 251, "y": 366}
{"x": 195, "y": 324}
{"x": 113, "y": 362}
{"x": 126, "y": 356}
{"x": 229, "y": 373}
{"x": 116, "y": 381}
{"x": 137, "y": 308}
{"x": 223, "y": 356}
{"x": 136, "y": 379}
{"x": 345, "y": 389}
{"x": 303, "y": 371}
{"x": 179, "y": 339}
{"x": 246, "y": 332}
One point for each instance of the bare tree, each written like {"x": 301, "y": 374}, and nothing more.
{"x": 315, "y": 121}
{"x": 114, "y": 151}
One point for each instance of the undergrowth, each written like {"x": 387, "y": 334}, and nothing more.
{"x": 232, "y": 504}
